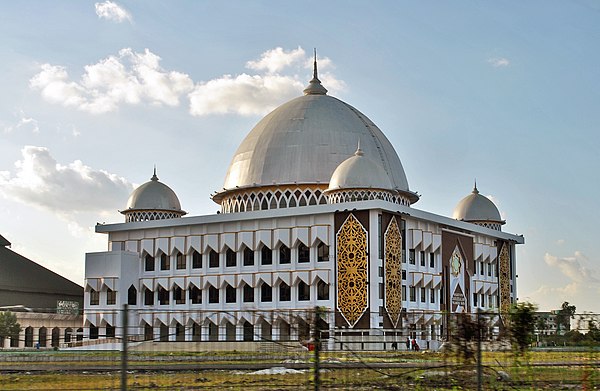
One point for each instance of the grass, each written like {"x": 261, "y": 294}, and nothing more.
{"x": 539, "y": 370}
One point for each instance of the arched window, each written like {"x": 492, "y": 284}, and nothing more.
{"x": 266, "y": 256}
{"x": 322, "y": 290}
{"x": 303, "y": 253}
{"x": 196, "y": 260}
{"x": 180, "y": 258}
{"x": 179, "y": 332}
{"x": 149, "y": 263}
{"x": 230, "y": 294}
{"x": 266, "y": 293}
{"x": 132, "y": 295}
{"x": 110, "y": 331}
{"x": 248, "y": 331}
{"x": 213, "y": 331}
{"x": 178, "y": 295}
{"x": 322, "y": 252}
{"x": 230, "y": 258}
{"x": 248, "y": 294}
{"x": 195, "y": 294}
{"x": 111, "y": 297}
{"x": 148, "y": 296}
{"x": 303, "y": 291}
{"x": 229, "y": 331}
{"x": 285, "y": 255}
{"x": 213, "y": 295}
{"x": 165, "y": 262}
{"x": 93, "y": 332}
{"x": 248, "y": 257}
{"x": 163, "y": 296}
{"x": 94, "y": 297}
{"x": 164, "y": 333}
{"x": 213, "y": 258}
{"x": 285, "y": 292}
{"x": 148, "y": 332}
{"x": 68, "y": 334}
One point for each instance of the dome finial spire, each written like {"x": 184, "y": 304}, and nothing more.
{"x": 359, "y": 151}
{"x": 154, "y": 177}
{"x": 314, "y": 86}
{"x": 475, "y": 187}
{"x": 315, "y": 73}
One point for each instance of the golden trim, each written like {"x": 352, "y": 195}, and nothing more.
{"x": 393, "y": 271}
{"x": 352, "y": 264}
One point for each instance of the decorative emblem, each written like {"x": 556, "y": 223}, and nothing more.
{"x": 504, "y": 280}
{"x": 455, "y": 263}
{"x": 352, "y": 270}
{"x": 393, "y": 271}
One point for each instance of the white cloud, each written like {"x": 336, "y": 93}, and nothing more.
{"x": 63, "y": 189}
{"x": 129, "y": 78}
{"x": 276, "y": 60}
{"x": 498, "y": 62}
{"x": 284, "y": 78}
{"x": 112, "y": 11}
{"x": 243, "y": 94}
{"x": 135, "y": 78}
{"x": 574, "y": 268}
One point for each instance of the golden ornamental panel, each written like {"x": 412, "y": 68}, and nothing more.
{"x": 352, "y": 293}
{"x": 393, "y": 271}
{"x": 504, "y": 282}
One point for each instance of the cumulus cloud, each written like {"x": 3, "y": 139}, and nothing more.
{"x": 574, "y": 268}
{"x": 135, "y": 78}
{"x": 128, "y": 77}
{"x": 284, "y": 76}
{"x": 66, "y": 190}
{"x": 277, "y": 59}
{"x": 243, "y": 94}
{"x": 112, "y": 11}
{"x": 498, "y": 62}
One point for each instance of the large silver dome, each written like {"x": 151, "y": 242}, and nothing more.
{"x": 304, "y": 140}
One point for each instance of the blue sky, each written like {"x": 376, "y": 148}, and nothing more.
{"x": 95, "y": 93}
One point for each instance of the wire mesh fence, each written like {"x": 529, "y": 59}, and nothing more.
{"x": 302, "y": 350}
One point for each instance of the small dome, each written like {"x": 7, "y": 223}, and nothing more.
{"x": 155, "y": 199}
{"x": 359, "y": 172}
{"x": 477, "y": 208}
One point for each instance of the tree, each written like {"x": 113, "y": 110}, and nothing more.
{"x": 563, "y": 318}
{"x": 8, "y": 326}
{"x": 522, "y": 325}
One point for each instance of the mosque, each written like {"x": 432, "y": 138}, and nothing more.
{"x": 316, "y": 211}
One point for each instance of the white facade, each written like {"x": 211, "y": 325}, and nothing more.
{"x": 287, "y": 243}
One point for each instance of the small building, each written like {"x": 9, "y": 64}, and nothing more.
{"x": 47, "y": 305}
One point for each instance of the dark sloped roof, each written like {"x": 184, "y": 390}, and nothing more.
{"x": 4, "y": 242}
{"x": 20, "y": 274}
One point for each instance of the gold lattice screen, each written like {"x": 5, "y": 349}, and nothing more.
{"x": 352, "y": 294}
{"x": 504, "y": 280}
{"x": 393, "y": 271}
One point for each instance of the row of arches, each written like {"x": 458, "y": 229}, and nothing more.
{"x": 272, "y": 199}
{"x": 281, "y": 254}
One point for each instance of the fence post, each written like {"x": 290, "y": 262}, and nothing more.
{"x": 317, "y": 347}
{"x": 124, "y": 358}
{"x": 479, "y": 363}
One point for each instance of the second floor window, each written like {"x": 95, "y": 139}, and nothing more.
{"x": 111, "y": 297}
{"x": 94, "y": 297}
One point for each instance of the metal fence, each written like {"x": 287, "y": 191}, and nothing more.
{"x": 473, "y": 351}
